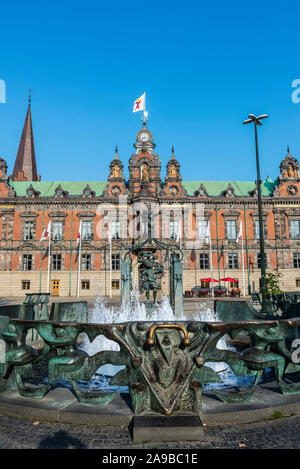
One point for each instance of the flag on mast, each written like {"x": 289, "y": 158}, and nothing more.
{"x": 140, "y": 103}
{"x": 178, "y": 234}
{"x": 240, "y": 235}
{"x": 79, "y": 233}
{"x": 207, "y": 236}
{"x": 46, "y": 232}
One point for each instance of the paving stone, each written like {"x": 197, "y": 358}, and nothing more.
{"x": 19, "y": 432}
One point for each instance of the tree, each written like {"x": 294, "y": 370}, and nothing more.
{"x": 272, "y": 282}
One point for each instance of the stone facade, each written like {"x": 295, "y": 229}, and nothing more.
{"x": 27, "y": 206}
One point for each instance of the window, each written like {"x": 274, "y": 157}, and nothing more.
{"x": 233, "y": 284}
{"x": 115, "y": 284}
{"x": 28, "y": 230}
{"x": 231, "y": 229}
{"x": 174, "y": 229}
{"x": 115, "y": 261}
{"x": 202, "y": 226}
{"x": 257, "y": 234}
{"x": 56, "y": 262}
{"x": 297, "y": 282}
{"x": 294, "y": 229}
{"x": 204, "y": 262}
{"x": 86, "y": 230}
{"x": 115, "y": 229}
{"x": 232, "y": 261}
{"x": 86, "y": 262}
{"x": 204, "y": 284}
{"x": 27, "y": 262}
{"x": 57, "y": 232}
{"x": 296, "y": 258}
{"x": 256, "y": 225}
{"x": 85, "y": 284}
{"x": 259, "y": 261}
{"x": 25, "y": 285}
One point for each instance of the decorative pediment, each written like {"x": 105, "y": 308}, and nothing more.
{"x": 31, "y": 192}
{"x": 27, "y": 246}
{"x": 86, "y": 214}
{"x": 57, "y": 214}
{"x": 229, "y": 191}
{"x": 256, "y": 214}
{"x": 254, "y": 192}
{"x": 292, "y": 212}
{"x": 28, "y": 214}
{"x": 201, "y": 192}
{"x": 57, "y": 245}
{"x": 114, "y": 189}
{"x": 60, "y": 192}
{"x": 231, "y": 214}
{"x": 87, "y": 192}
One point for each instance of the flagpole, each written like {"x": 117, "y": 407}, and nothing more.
{"x": 42, "y": 245}
{"x": 243, "y": 264}
{"x": 49, "y": 261}
{"x": 79, "y": 260}
{"x": 211, "y": 263}
{"x": 110, "y": 267}
{"x": 180, "y": 232}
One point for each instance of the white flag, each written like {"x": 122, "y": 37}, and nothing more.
{"x": 240, "y": 232}
{"x": 178, "y": 234}
{"x": 109, "y": 232}
{"x": 46, "y": 232}
{"x": 207, "y": 236}
{"x": 79, "y": 232}
{"x": 140, "y": 103}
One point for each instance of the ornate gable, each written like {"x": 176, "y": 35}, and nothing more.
{"x": 144, "y": 167}
{"x": 5, "y": 189}
{"x": 201, "y": 192}
{"x": 229, "y": 191}
{"x": 116, "y": 179}
{"x": 173, "y": 186}
{"x": 60, "y": 193}
{"x": 289, "y": 178}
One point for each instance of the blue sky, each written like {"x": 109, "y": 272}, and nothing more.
{"x": 204, "y": 66}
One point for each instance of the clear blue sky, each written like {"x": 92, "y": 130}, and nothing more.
{"x": 204, "y": 66}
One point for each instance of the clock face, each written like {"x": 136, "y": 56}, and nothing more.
{"x": 144, "y": 137}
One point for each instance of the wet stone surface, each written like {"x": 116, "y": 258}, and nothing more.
{"x": 20, "y": 433}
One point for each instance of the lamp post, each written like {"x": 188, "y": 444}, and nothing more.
{"x": 257, "y": 122}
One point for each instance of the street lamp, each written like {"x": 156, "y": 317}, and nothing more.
{"x": 257, "y": 121}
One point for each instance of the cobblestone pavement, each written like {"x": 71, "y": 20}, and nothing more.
{"x": 19, "y": 433}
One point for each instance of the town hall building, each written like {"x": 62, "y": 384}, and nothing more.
{"x": 29, "y": 203}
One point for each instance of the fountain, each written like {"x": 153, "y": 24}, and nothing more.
{"x": 164, "y": 360}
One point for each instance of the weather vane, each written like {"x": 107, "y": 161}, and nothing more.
{"x": 29, "y": 97}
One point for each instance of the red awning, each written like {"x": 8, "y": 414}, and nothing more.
{"x": 229, "y": 279}
{"x": 209, "y": 279}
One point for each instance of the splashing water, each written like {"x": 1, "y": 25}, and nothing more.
{"x": 136, "y": 311}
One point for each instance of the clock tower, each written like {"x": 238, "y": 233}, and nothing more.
{"x": 144, "y": 167}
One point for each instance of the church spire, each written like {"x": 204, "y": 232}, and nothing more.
{"x": 25, "y": 164}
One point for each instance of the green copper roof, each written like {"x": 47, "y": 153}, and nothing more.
{"x": 75, "y": 188}
{"x": 241, "y": 188}
{"x": 47, "y": 188}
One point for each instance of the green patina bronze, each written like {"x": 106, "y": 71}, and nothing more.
{"x": 151, "y": 270}
{"x": 165, "y": 362}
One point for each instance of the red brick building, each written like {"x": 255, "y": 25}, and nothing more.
{"x": 28, "y": 204}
